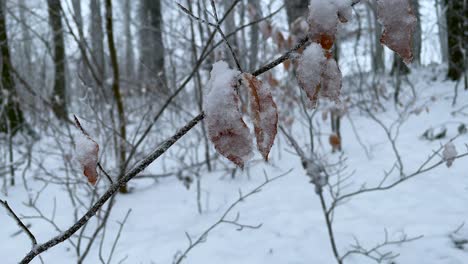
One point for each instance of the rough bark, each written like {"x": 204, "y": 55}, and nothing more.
{"x": 59, "y": 95}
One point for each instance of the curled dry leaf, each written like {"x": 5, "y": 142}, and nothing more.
{"x": 264, "y": 113}
{"x": 449, "y": 154}
{"x": 87, "y": 151}
{"x": 226, "y": 129}
{"x": 399, "y": 22}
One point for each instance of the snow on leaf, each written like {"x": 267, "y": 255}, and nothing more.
{"x": 264, "y": 113}
{"x": 87, "y": 151}
{"x": 399, "y": 22}
{"x": 226, "y": 129}
{"x": 309, "y": 71}
{"x": 331, "y": 80}
{"x": 449, "y": 154}
{"x": 324, "y": 17}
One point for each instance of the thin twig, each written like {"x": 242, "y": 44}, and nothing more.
{"x": 19, "y": 223}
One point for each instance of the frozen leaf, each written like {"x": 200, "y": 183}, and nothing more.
{"x": 309, "y": 71}
{"x": 399, "y": 22}
{"x": 264, "y": 113}
{"x": 226, "y": 129}
{"x": 331, "y": 81}
{"x": 449, "y": 154}
{"x": 335, "y": 142}
{"x": 87, "y": 151}
{"x": 324, "y": 17}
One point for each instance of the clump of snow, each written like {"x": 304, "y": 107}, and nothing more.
{"x": 310, "y": 69}
{"x": 226, "y": 129}
{"x": 324, "y": 16}
{"x": 449, "y": 153}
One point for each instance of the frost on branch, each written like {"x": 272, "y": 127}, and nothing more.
{"x": 449, "y": 154}
{"x": 263, "y": 112}
{"x": 323, "y": 19}
{"x": 87, "y": 151}
{"x": 399, "y": 22}
{"x": 309, "y": 71}
{"x": 226, "y": 129}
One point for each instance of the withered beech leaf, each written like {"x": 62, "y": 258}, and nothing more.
{"x": 87, "y": 151}
{"x": 264, "y": 113}
{"x": 226, "y": 129}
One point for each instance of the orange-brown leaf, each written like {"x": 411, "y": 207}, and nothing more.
{"x": 264, "y": 113}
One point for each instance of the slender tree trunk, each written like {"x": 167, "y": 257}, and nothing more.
{"x": 254, "y": 35}
{"x": 11, "y": 117}
{"x": 417, "y": 36}
{"x": 377, "y": 59}
{"x": 456, "y": 17}
{"x": 97, "y": 36}
{"x": 129, "y": 56}
{"x": 442, "y": 26}
{"x": 116, "y": 91}
{"x": 152, "y": 46}
{"x": 59, "y": 95}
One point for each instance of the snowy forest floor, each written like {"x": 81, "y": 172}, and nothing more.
{"x": 433, "y": 205}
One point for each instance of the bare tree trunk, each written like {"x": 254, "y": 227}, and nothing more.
{"x": 442, "y": 26}
{"x": 295, "y": 9}
{"x": 152, "y": 46}
{"x": 97, "y": 36}
{"x": 417, "y": 38}
{"x": 230, "y": 26}
{"x": 129, "y": 55}
{"x": 116, "y": 91}
{"x": 59, "y": 95}
{"x": 377, "y": 59}
{"x": 456, "y": 17}
{"x": 254, "y": 35}
{"x": 11, "y": 117}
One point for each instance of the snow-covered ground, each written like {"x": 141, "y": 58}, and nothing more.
{"x": 433, "y": 205}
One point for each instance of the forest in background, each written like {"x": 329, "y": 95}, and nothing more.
{"x": 128, "y": 82}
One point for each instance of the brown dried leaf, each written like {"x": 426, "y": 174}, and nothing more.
{"x": 264, "y": 113}
{"x": 87, "y": 151}
{"x": 226, "y": 129}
